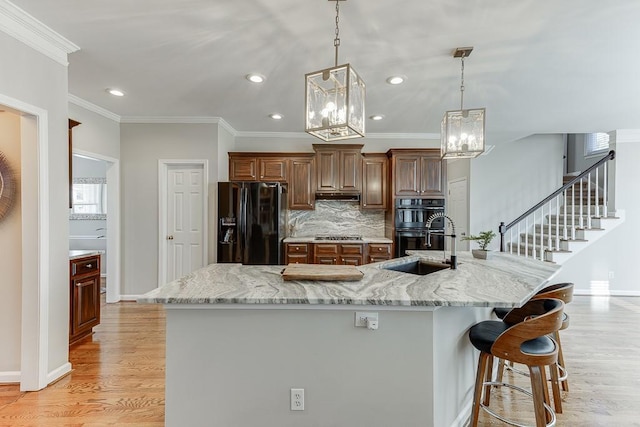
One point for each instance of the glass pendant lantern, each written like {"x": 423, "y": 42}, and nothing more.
{"x": 334, "y": 101}
{"x": 462, "y": 131}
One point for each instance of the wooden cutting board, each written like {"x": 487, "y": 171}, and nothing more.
{"x": 321, "y": 272}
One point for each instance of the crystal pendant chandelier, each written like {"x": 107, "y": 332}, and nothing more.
{"x": 334, "y": 100}
{"x": 462, "y": 132}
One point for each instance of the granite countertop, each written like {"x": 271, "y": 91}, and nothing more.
{"x": 504, "y": 280}
{"x": 312, "y": 239}
{"x": 75, "y": 254}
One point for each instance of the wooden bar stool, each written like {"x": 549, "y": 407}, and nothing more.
{"x": 523, "y": 337}
{"x": 563, "y": 292}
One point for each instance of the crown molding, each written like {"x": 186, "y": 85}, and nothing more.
{"x": 93, "y": 107}
{"x": 168, "y": 119}
{"x": 20, "y": 25}
{"x": 223, "y": 123}
{"x": 304, "y": 135}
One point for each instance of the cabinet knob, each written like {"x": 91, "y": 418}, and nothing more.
{"x": 379, "y": 249}
{"x": 89, "y": 265}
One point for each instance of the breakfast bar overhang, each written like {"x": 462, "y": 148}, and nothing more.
{"x": 239, "y": 338}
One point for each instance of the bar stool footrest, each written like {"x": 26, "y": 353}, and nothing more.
{"x": 520, "y": 389}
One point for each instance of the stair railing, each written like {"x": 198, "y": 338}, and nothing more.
{"x": 526, "y": 227}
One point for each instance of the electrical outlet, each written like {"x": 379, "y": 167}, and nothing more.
{"x": 361, "y": 319}
{"x": 297, "y": 399}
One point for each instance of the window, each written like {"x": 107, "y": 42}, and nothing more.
{"x": 595, "y": 143}
{"x": 89, "y": 198}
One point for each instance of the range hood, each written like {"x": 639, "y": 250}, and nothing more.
{"x": 346, "y": 197}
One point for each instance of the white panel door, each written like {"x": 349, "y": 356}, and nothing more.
{"x": 458, "y": 210}
{"x": 185, "y": 222}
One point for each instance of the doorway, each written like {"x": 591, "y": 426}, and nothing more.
{"x": 33, "y": 267}
{"x": 111, "y": 231}
{"x": 458, "y": 209}
{"x": 183, "y": 218}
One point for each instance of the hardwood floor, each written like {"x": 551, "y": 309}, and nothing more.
{"x": 118, "y": 373}
{"x": 117, "y": 378}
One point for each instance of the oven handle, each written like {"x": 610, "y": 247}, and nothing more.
{"x": 420, "y": 208}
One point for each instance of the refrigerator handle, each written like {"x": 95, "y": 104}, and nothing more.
{"x": 243, "y": 221}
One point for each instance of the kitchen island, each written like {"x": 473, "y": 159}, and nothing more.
{"x": 239, "y": 338}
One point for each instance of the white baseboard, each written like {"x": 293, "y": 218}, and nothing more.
{"x": 464, "y": 417}
{"x": 9, "y": 377}
{"x": 129, "y": 297}
{"x": 589, "y": 292}
{"x": 58, "y": 373}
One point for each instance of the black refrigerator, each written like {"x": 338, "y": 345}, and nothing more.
{"x": 251, "y": 222}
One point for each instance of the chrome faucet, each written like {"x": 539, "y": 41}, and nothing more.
{"x": 454, "y": 258}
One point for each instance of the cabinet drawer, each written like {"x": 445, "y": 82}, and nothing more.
{"x": 351, "y": 260}
{"x": 297, "y": 248}
{"x": 326, "y": 248}
{"x": 297, "y": 259}
{"x": 377, "y": 249}
{"x": 85, "y": 266}
{"x": 354, "y": 249}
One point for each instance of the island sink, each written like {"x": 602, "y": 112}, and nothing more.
{"x": 421, "y": 268}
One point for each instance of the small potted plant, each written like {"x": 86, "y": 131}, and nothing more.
{"x": 483, "y": 239}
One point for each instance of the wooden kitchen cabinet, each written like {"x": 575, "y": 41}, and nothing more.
{"x": 265, "y": 167}
{"x": 302, "y": 182}
{"x": 339, "y": 253}
{"x": 84, "y": 297}
{"x": 338, "y": 168}
{"x": 417, "y": 173}
{"x": 375, "y": 177}
{"x": 377, "y": 252}
{"x": 297, "y": 253}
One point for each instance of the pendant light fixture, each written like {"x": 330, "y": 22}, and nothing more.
{"x": 334, "y": 101}
{"x": 462, "y": 132}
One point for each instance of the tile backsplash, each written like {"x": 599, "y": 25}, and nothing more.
{"x": 336, "y": 217}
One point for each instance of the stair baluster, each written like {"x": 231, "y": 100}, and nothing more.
{"x": 540, "y": 239}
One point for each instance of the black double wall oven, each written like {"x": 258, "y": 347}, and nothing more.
{"x": 411, "y": 217}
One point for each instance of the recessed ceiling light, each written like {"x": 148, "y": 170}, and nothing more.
{"x": 276, "y": 116}
{"x": 255, "y": 78}
{"x": 396, "y": 80}
{"x": 377, "y": 117}
{"x": 115, "y": 92}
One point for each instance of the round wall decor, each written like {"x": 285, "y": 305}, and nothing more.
{"x": 7, "y": 187}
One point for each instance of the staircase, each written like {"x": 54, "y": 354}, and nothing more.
{"x": 565, "y": 222}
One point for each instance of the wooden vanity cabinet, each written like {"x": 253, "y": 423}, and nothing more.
{"x": 297, "y": 253}
{"x": 377, "y": 252}
{"x": 338, "y": 168}
{"x": 375, "y": 175}
{"x": 84, "y": 297}
{"x": 418, "y": 173}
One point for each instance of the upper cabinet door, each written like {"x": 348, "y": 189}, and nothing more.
{"x": 407, "y": 175}
{"x": 301, "y": 183}
{"x": 374, "y": 182}
{"x": 273, "y": 169}
{"x": 432, "y": 177}
{"x": 349, "y": 170}
{"x": 327, "y": 171}
{"x": 243, "y": 169}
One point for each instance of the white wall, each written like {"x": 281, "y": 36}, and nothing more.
{"x": 95, "y": 134}
{"x": 37, "y": 80}
{"x": 11, "y": 251}
{"x": 226, "y": 143}
{"x": 142, "y": 145}
{"x": 511, "y": 179}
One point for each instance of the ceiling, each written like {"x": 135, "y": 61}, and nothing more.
{"x": 538, "y": 66}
